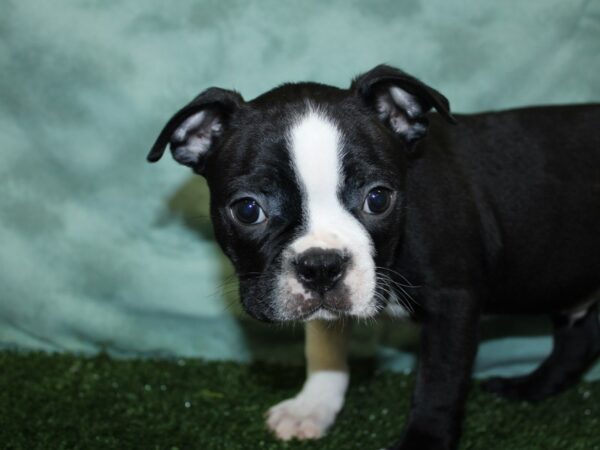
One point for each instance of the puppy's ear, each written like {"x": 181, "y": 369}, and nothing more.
{"x": 193, "y": 130}
{"x": 400, "y": 100}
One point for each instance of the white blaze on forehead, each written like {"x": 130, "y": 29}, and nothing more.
{"x": 316, "y": 145}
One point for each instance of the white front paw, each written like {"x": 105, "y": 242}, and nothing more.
{"x": 310, "y": 414}
{"x": 300, "y": 418}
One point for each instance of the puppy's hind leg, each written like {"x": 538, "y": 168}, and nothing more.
{"x": 313, "y": 410}
{"x": 576, "y": 347}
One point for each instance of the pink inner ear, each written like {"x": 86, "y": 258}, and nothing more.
{"x": 406, "y": 101}
{"x": 184, "y": 130}
{"x": 194, "y": 136}
{"x": 400, "y": 110}
{"x": 398, "y": 123}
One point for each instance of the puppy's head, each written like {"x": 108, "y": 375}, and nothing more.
{"x": 306, "y": 186}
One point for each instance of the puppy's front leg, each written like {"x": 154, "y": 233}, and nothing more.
{"x": 309, "y": 414}
{"x": 449, "y": 338}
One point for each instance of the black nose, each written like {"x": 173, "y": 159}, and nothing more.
{"x": 320, "y": 270}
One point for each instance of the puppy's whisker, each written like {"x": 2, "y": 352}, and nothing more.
{"x": 392, "y": 283}
{"x": 224, "y": 288}
{"x": 387, "y": 269}
{"x": 395, "y": 292}
{"x": 229, "y": 306}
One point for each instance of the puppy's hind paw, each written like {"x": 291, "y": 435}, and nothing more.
{"x": 517, "y": 388}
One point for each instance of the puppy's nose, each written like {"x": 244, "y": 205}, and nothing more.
{"x": 320, "y": 270}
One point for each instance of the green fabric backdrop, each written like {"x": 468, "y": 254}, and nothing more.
{"x": 100, "y": 250}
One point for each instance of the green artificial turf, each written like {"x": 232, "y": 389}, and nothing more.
{"x": 65, "y": 401}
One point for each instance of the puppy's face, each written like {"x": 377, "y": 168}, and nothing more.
{"x": 304, "y": 196}
{"x": 306, "y": 187}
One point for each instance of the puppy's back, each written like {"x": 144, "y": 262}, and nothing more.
{"x": 535, "y": 176}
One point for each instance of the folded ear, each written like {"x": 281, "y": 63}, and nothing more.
{"x": 400, "y": 100}
{"x": 193, "y": 130}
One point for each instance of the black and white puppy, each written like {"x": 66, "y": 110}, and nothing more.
{"x": 327, "y": 200}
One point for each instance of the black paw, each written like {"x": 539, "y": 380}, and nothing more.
{"x": 518, "y": 388}
{"x": 417, "y": 440}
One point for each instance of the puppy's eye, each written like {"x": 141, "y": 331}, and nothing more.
{"x": 247, "y": 211}
{"x": 378, "y": 201}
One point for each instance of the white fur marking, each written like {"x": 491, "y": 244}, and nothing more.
{"x": 397, "y": 311}
{"x": 574, "y": 317}
{"x": 316, "y": 146}
{"x": 395, "y": 308}
{"x": 310, "y": 413}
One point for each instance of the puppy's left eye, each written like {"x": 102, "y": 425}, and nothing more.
{"x": 378, "y": 200}
{"x": 248, "y": 212}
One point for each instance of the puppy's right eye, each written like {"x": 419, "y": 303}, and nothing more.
{"x": 247, "y": 211}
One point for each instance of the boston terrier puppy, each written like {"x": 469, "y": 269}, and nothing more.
{"x": 330, "y": 201}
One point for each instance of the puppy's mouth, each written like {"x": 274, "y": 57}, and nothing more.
{"x": 309, "y": 305}
{"x": 322, "y": 311}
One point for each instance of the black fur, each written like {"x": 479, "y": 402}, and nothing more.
{"x": 498, "y": 214}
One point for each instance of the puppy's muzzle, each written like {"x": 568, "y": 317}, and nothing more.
{"x": 320, "y": 270}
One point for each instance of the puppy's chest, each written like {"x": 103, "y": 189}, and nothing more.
{"x": 396, "y": 311}
{"x": 397, "y": 308}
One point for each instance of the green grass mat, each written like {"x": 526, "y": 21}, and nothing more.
{"x": 64, "y": 401}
